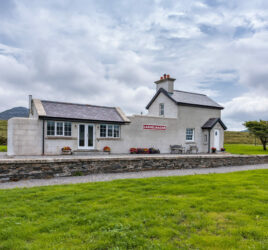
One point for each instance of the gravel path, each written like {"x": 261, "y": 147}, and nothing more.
{"x": 131, "y": 175}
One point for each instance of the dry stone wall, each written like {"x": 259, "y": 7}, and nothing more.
{"x": 18, "y": 169}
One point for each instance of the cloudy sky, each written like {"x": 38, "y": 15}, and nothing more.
{"x": 110, "y": 52}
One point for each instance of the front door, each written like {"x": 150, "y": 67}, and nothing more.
{"x": 217, "y": 139}
{"x": 86, "y": 136}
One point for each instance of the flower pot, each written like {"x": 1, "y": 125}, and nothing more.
{"x": 66, "y": 152}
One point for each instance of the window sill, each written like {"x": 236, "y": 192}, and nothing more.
{"x": 108, "y": 139}
{"x": 60, "y": 138}
{"x": 190, "y": 142}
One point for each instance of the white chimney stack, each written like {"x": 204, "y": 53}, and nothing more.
{"x": 165, "y": 82}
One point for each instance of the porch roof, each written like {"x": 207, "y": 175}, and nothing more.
{"x": 212, "y": 122}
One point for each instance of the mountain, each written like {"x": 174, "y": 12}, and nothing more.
{"x": 14, "y": 112}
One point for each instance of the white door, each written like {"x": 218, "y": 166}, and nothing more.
{"x": 86, "y": 137}
{"x": 217, "y": 139}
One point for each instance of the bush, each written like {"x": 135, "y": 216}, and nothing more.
{"x": 144, "y": 151}
{"x": 3, "y": 140}
{"x": 154, "y": 151}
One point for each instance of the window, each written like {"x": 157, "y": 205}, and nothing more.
{"x": 189, "y": 134}
{"x": 67, "y": 128}
{"x": 59, "y": 128}
{"x": 116, "y": 130}
{"x": 161, "y": 109}
{"x": 109, "y": 131}
{"x": 50, "y": 128}
{"x": 102, "y": 130}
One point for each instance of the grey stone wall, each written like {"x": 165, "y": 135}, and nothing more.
{"x": 18, "y": 169}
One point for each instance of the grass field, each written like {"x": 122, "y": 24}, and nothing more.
{"x": 3, "y": 128}
{"x": 3, "y": 148}
{"x": 245, "y": 149}
{"x": 217, "y": 211}
{"x": 233, "y": 137}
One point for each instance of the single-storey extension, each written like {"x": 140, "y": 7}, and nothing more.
{"x": 174, "y": 118}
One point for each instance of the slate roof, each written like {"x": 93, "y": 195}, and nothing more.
{"x": 187, "y": 98}
{"x": 212, "y": 122}
{"x": 72, "y": 111}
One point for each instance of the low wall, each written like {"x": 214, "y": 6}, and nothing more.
{"x": 18, "y": 169}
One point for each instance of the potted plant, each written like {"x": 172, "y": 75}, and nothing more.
{"x": 133, "y": 151}
{"x": 107, "y": 149}
{"x": 66, "y": 150}
{"x": 146, "y": 151}
{"x": 213, "y": 150}
{"x": 154, "y": 151}
{"x": 222, "y": 149}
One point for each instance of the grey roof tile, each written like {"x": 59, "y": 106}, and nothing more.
{"x": 187, "y": 98}
{"x": 81, "y": 111}
{"x": 193, "y": 98}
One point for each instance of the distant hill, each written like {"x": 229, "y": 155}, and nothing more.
{"x": 14, "y": 112}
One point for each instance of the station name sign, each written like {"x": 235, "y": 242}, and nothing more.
{"x": 155, "y": 127}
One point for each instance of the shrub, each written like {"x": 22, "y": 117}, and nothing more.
{"x": 133, "y": 151}
{"x": 154, "y": 151}
{"x": 3, "y": 140}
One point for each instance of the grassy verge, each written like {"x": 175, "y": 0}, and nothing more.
{"x": 3, "y": 148}
{"x": 217, "y": 211}
{"x": 234, "y": 137}
{"x": 245, "y": 149}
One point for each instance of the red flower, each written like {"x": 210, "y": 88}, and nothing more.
{"x": 107, "y": 149}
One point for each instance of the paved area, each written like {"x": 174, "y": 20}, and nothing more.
{"x": 132, "y": 175}
{"x": 5, "y": 158}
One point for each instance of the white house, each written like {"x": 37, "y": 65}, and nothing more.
{"x": 174, "y": 118}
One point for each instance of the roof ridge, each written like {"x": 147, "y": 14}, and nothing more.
{"x": 189, "y": 92}
{"x": 80, "y": 104}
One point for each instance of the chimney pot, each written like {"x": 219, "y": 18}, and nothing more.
{"x": 161, "y": 78}
{"x": 168, "y": 76}
{"x": 165, "y": 76}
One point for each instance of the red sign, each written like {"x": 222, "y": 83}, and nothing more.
{"x": 155, "y": 127}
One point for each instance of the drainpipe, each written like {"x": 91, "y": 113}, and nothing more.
{"x": 43, "y": 138}
{"x": 209, "y": 140}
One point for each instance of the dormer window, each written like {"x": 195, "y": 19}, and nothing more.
{"x": 161, "y": 109}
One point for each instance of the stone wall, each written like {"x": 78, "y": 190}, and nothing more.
{"x": 18, "y": 169}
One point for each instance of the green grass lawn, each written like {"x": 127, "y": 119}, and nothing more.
{"x": 3, "y": 148}
{"x": 217, "y": 211}
{"x": 245, "y": 149}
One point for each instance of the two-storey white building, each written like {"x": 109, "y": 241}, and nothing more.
{"x": 174, "y": 118}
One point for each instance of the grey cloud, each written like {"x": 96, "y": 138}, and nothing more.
{"x": 111, "y": 52}
{"x": 7, "y": 7}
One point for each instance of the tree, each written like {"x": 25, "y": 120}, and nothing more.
{"x": 259, "y": 129}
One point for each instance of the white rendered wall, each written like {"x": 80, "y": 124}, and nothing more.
{"x": 24, "y": 136}
{"x": 171, "y": 108}
{"x": 195, "y": 117}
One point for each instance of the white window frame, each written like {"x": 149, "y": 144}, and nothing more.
{"x": 161, "y": 109}
{"x": 107, "y": 136}
{"x": 55, "y": 128}
{"x": 193, "y": 135}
